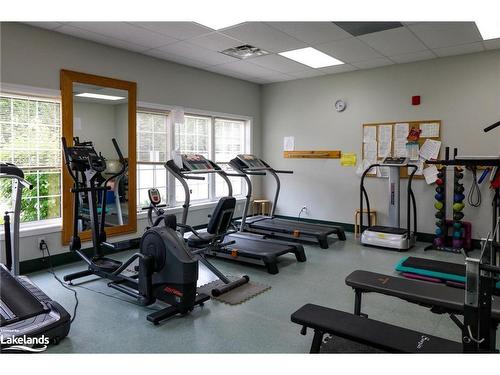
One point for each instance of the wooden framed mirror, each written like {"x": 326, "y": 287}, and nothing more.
{"x": 97, "y": 109}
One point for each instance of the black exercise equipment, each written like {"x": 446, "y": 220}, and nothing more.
{"x": 202, "y": 243}
{"x": 277, "y": 227}
{"x": 243, "y": 247}
{"x": 393, "y": 236}
{"x": 24, "y": 309}
{"x": 167, "y": 270}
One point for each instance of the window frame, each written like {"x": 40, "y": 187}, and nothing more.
{"x": 31, "y": 93}
{"x": 213, "y": 116}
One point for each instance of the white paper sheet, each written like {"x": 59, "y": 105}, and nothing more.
{"x": 384, "y": 149}
{"x": 369, "y": 134}
{"x": 383, "y": 172}
{"x": 430, "y": 173}
{"x": 429, "y": 130}
{"x": 370, "y": 150}
{"x": 420, "y": 164}
{"x": 384, "y": 133}
{"x": 400, "y": 148}
{"x": 363, "y": 166}
{"x": 288, "y": 143}
{"x": 412, "y": 150}
{"x": 430, "y": 149}
{"x": 401, "y": 131}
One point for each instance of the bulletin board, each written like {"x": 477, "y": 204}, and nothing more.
{"x": 389, "y": 139}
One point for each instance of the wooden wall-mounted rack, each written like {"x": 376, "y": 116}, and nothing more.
{"x": 312, "y": 154}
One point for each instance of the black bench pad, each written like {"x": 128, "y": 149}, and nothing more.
{"x": 371, "y": 332}
{"x": 414, "y": 291}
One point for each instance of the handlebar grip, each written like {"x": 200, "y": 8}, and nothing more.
{"x": 281, "y": 171}
{"x": 255, "y": 173}
{"x": 491, "y": 127}
{"x": 117, "y": 148}
{"x": 194, "y": 177}
{"x": 157, "y": 206}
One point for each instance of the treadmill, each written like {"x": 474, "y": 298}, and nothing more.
{"x": 24, "y": 309}
{"x": 243, "y": 247}
{"x": 277, "y": 227}
{"x": 392, "y": 236}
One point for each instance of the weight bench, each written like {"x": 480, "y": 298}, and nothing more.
{"x": 441, "y": 299}
{"x": 369, "y": 332}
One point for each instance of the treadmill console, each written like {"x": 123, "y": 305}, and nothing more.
{"x": 83, "y": 156}
{"x": 196, "y": 163}
{"x": 395, "y": 161}
{"x": 251, "y": 161}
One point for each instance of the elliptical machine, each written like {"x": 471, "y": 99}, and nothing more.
{"x": 167, "y": 271}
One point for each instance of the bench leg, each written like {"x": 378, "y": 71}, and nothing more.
{"x": 357, "y": 302}
{"x": 316, "y": 343}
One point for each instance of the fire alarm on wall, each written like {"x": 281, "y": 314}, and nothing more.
{"x": 415, "y": 100}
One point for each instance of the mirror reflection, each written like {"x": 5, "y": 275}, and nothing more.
{"x": 99, "y": 115}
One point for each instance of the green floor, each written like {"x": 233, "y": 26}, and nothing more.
{"x": 260, "y": 325}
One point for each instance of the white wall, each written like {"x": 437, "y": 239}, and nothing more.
{"x": 33, "y": 57}
{"x": 463, "y": 92}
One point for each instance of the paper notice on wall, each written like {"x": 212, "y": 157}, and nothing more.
{"x": 429, "y": 130}
{"x": 383, "y": 172}
{"x": 363, "y": 166}
{"x": 369, "y": 134}
{"x": 401, "y": 131}
{"x": 348, "y": 159}
{"x": 430, "y": 173}
{"x": 400, "y": 148}
{"x": 420, "y": 167}
{"x": 384, "y": 140}
{"x": 412, "y": 150}
{"x": 430, "y": 149}
{"x": 288, "y": 143}
{"x": 370, "y": 151}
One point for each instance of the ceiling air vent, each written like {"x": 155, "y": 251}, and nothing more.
{"x": 245, "y": 51}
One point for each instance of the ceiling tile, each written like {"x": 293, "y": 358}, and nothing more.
{"x": 413, "y": 56}
{"x": 338, "y": 69}
{"x": 492, "y": 43}
{"x": 394, "y": 41}
{"x": 349, "y": 50}
{"x": 215, "y": 42}
{"x": 175, "y": 58}
{"x": 219, "y": 69}
{"x": 126, "y": 32}
{"x": 445, "y": 34}
{"x": 373, "y": 63}
{"x": 248, "y": 69}
{"x": 191, "y": 51}
{"x": 312, "y": 32}
{"x": 46, "y": 25}
{"x": 177, "y": 30}
{"x": 263, "y": 36}
{"x": 307, "y": 73}
{"x": 459, "y": 50}
{"x": 278, "y": 63}
{"x": 89, "y": 35}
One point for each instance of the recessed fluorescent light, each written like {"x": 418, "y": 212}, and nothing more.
{"x": 311, "y": 57}
{"x": 218, "y": 24}
{"x": 489, "y": 29}
{"x": 99, "y": 96}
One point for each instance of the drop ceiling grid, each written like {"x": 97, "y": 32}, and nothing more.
{"x": 166, "y": 40}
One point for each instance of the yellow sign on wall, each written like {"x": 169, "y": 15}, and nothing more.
{"x": 348, "y": 159}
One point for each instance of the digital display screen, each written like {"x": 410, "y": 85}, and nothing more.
{"x": 251, "y": 161}
{"x": 196, "y": 162}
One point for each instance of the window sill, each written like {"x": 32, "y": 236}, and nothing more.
{"x": 37, "y": 228}
{"x": 193, "y": 207}
{"x": 55, "y": 225}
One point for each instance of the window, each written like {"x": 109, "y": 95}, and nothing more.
{"x": 193, "y": 137}
{"x": 216, "y": 138}
{"x": 30, "y": 135}
{"x": 152, "y": 142}
{"x": 229, "y": 142}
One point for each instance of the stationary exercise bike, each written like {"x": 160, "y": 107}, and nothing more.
{"x": 167, "y": 271}
{"x": 200, "y": 244}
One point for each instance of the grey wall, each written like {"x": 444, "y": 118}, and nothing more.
{"x": 463, "y": 92}
{"x": 33, "y": 57}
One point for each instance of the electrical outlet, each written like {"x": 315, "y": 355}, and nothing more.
{"x": 39, "y": 242}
